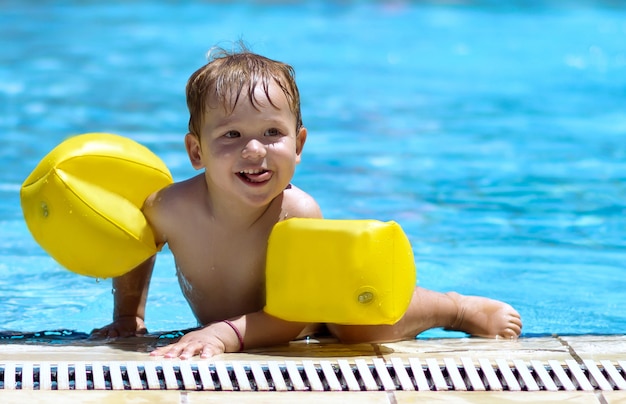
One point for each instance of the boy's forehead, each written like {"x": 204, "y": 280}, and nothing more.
{"x": 259, "y": 94}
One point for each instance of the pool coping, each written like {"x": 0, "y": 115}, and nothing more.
{"x": 563, "y": 349}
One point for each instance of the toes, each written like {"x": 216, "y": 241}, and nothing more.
{"x": 513, "y": 329}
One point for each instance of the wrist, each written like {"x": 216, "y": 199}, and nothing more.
{"x": 237, "y": 333}
{"x": 117, "y": 317}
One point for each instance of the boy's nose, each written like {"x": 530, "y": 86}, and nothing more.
{"x": 253, "y": 149}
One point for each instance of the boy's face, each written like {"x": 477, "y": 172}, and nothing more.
{"x": 250, "y": 153}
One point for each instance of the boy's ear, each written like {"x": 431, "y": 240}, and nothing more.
{"x": 300, "y": 140}
{"x": 192, "y": 144}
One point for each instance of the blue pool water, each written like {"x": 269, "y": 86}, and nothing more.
{"x": 493, "y": 132}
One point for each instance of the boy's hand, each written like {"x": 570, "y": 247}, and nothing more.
{"x": 126, "y": 326}
{"x": 207, "y": 342}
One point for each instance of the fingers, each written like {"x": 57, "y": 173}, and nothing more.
{"x": 179, "y": 350}
{"x": 141, "y": 331}
{"x": 188, "y": 348}
{"x": 112, "y": 331}
{"x": 104, "y": 332}
{"x": 107, "y": 332}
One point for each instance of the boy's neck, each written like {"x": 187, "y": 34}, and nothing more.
{"x": 241, "y": 215}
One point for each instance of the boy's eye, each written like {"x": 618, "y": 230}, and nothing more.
{"x": 232, "y": 134}
{"x": 272, "y": 132}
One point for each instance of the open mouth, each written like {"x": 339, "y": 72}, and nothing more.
{"x": 255, "y": 176}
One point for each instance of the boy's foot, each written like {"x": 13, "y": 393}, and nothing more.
{"x": 483, "y": 317}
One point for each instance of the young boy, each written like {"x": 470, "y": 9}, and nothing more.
{"x": 246, "y": 132}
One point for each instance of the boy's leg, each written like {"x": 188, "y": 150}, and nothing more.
{"x": 474, "y": 315}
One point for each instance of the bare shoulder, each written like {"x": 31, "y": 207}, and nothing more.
{"x": 297, "y": 203}
{"x": 164, "y": 208}
{"x": 174, "y": 195}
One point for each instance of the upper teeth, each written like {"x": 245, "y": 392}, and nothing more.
{"x": 256, "y": 171}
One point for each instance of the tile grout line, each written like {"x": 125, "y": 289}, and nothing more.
{"x": 599, "y": 394}
{"x": 377, "y": 351}
{"x": 570, "y": 350}
{"x": 601, "y": 398}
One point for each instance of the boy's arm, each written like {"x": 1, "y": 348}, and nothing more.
{"x": 251, "y": 330}
{"x": 130, "y": 292}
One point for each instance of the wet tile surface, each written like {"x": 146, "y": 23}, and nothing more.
{"x": 615, "y": 397}
{"x": 363, "y": 397}
{"x": 87, "y": 397}
{"x": 136, "y": 349}
{"x": 525, "y": 349}
{"x": 598, "y": 347}
{"x": 496, "y": 397}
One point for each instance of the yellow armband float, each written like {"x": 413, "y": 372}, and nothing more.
{"x": 339, "y": 271}
{"x": 82, "y": 203}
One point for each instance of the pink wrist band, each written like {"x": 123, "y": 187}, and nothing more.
{"x": 239, "y": 336}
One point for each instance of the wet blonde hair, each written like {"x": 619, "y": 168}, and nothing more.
{"x": 229, "y": 75}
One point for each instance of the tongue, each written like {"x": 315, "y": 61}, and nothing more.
{"x": 260, "y": 177}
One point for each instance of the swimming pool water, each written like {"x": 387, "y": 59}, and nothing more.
{"x": 493, "y": 132}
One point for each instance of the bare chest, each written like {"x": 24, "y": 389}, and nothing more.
{"x": 221, "y": 277}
